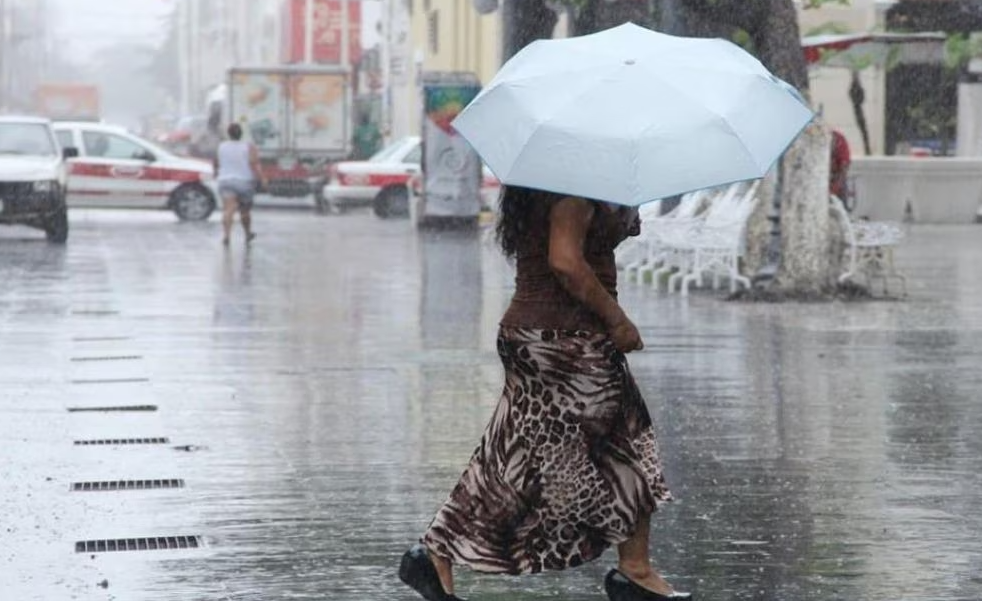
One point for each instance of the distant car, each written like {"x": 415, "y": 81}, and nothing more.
{"x": 33, "y": 176}
{"x": 117, "y": 169}
{"x": 382, "y": 180}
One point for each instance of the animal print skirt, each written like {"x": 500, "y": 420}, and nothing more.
{"x": 566, "y": 467}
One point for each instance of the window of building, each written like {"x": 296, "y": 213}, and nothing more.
{"x": 433, "y": 31}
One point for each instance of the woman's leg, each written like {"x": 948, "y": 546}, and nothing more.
{"x": 229, "y": 207}
{"x": 245, "y": 215}
{"x": 635, "y": 563}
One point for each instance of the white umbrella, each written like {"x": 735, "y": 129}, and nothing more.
{"x": 629, "y": 115}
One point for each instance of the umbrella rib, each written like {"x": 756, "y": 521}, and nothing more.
{"x": 539, "y": 123}
{"x": 719, "y": 116}
{"x": 579, "y": 71}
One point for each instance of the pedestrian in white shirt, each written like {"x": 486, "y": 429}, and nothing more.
{"x": 238, "y": 170}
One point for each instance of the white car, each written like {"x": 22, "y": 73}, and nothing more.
{"x": 382, "y": 180}
{"x": 33, "y": 176}
{"x": 117, "y": 169}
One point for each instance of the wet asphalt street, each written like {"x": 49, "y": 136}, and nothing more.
{"x": 313, "y": 399}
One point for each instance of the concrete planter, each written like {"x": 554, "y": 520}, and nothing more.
{"x": 923, "y": 190}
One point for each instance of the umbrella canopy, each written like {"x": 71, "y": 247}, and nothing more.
{"x": 629, "y": 115}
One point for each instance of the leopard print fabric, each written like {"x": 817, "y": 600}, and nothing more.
{"x": 566, "y": 466}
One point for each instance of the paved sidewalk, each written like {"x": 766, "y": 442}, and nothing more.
{"x": 321, "y": 393}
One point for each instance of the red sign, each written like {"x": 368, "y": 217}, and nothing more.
{"x": 326, "y": 31}
{"x": 68, "y": 101}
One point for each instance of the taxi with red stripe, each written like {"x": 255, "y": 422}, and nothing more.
{"x": 382, "y": 181}
{"x": 117, "y": 169}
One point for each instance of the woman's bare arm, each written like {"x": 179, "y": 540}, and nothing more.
{"x": 257, "y": 168}
{"x": 569, "y": 222}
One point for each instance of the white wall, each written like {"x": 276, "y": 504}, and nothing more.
{"x": 830, "y": 86}
{"x": 937, "y": 190}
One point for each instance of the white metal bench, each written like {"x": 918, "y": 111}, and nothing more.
{"x": 648, "y": 252}
{"x": 703, "y": 236}
{"x": 870, "y": 247}
{"x": 714, "y": 246}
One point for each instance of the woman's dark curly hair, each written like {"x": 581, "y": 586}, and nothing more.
{"x": 521, "y": 209}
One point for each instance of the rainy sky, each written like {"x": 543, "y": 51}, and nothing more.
{"x": 88, "y": 25}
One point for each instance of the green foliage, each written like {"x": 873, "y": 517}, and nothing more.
{"x": 859, "y": 62}
{"x": 925, "y": 120}
{"x": 742, "y": 38}
{"x": 960, "y": 48}
{"x": 830, "y": 27}
{"x": 811, "y": 4}
{"x": 575, "y": 4}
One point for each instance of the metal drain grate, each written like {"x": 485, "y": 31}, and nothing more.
{"x": 112, "y": 381}
{"x": 121, "y": 441}
{"x": 112, "y": 485}
{"x": 139, "y": 544}
{"x": 114, "y": 408}
{"x": 108, "y": 358}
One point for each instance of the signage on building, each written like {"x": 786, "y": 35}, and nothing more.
{"x": 451, "y": 168}
{"x": 326, "y": 31}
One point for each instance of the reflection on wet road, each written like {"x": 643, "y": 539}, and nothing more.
{"x": 321, "y": 392}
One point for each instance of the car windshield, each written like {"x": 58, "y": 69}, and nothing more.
{"x": 160, "y": 151}
{"x": 390, "y": 151}
{"x": 32, "y": 139}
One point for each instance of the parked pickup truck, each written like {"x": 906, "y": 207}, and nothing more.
{"x": 33, "y": 176}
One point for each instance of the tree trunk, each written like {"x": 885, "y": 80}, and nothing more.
{"x": 523, "y": 22}
{"x": 777, "y": 39}
{"x": 810, "y": 256}
{"x": 678, "y": 17}
{"x": 597, "y": 15}
{"x": 807, "y": 267}
{"x": 857, "y": 96}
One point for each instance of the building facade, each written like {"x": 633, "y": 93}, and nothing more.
{"x": 434, "y": 35}
{"x": 24, "y": 52}
{"x": 830, "y": 85}
{"x": 215, "y": 35}
{"x": 446, "y": 35}
{"x": 451, "y": 35}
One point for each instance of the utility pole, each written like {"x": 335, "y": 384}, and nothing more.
{"x": 42, "y": 50}
{"x": 345, "y": 35}
{"x": 194, "y": 56}
{"x": 308, "y": 31}
{"x": 183, "y": 52}
{"x": 385, "y": 57}
{"x": 3, "y": 54}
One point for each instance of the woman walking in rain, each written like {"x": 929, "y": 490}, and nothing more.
{"x": 568, "y": 465}
{"x": 239, "y": 172}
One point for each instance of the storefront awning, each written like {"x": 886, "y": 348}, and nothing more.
{"x": 847, "y": 50}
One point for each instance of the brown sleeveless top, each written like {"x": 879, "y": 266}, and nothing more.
{"x": 540, "y": 300}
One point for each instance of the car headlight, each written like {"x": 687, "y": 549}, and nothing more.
{"x": 45, "y": 186}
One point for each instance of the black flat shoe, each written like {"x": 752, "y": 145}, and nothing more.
{"x": 418, "y": 571}
{"x": 621, "y": 588}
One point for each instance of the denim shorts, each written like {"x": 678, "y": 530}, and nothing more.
{"x": 244, "y": 191}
